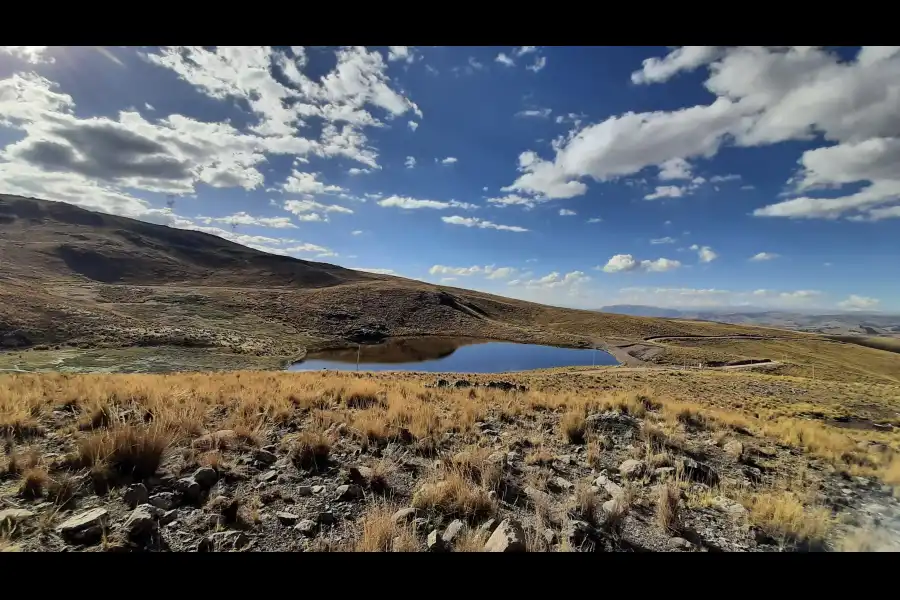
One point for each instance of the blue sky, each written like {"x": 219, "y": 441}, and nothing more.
{"x": 694, "y": 176}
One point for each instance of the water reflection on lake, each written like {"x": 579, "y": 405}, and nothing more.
{"x": 460, "y": 355}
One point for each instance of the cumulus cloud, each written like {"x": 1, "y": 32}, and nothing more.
{"x": 31, "y": 54}
{"x": 412, "y": 125}
{"x": 410, "y": 162}
{"x": 539, "y": 63}
{"x": 762, "y": 256}
{"x": 242, "y": 218}
{"x": 685, "y": 58}
{"x": 515, "y": 200}
{"x": 595, "y": 220}
{"x": 413, "y": 203}
{"x": 715, "y": 298}
{"x": 565, "y": 212}
{"x": 488, "y": 271}
{"x": 665, "y": 191}
{"x": 855, "y": 302}
{"x": 403, "y": 53}
{"x": 621, "y": 263}
{"x": 675, "y": 168}
{"x": 704, "y": 253}
{"x": 503, "y": 59}
{"x": 449, "y": 160}
{"x": 376, "y": 271}
{"x": 663, "y": 240}
{"x": 540, "y": 113}
{"x": 310, "y": 210}
{"x": 481, "y": 223}
{"x": 554, "y": 280}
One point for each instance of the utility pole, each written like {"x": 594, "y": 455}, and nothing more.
{"x": 358, "y": 348}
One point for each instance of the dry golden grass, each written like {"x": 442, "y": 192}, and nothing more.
{"x": 308, "y": 450}
{"x": 585, "y": 503}
{"x": 380, "y": 533}
{"x": 454, "y": 496}
{"x": 573, "y": 426}
{"x": 668, "y": 504}
{"x": 783, "y": 516}
{"x": 471, "y": 540}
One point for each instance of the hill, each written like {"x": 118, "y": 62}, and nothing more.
{"x": 73, "y": 277}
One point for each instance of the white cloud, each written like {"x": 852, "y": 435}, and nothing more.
{"x": 308, "y": 248}
{"x": 413, "y": 125}
{"x": 413, "y": 203}
{"x": 376, "y": 271}
{"x": 356, "y": 232}
{"x": 705, "y": 253}
{"x": 565, "y": 212}
{"x": 685, "y": 58}
{"x": 621, "y": 263}
{"x": 447, "y": 279}
{"x": 306, "y": 183}
{"x": 724, "y": 178}
{"x": 515, "y": 200}
{"x": 31, "y": 54}
{"x": 503, "y": 59}
{"x": 449, "y": 160}
{"x": 502, "y": 272}
{"x": 311, "y": 211}
{"x": 665, "y": 191}
{"x": 800, "y": 294}
{"x": 541, "y": 113}
{"x": 761, "y": 256}
{"x": 481, "y": 223}
{"x": 523, "y": 50}
{"x": 242, "y": 218}
{"x": 404, "y": 53}
{"x": 663, "y": 240}
{"x": 855, "y": 302}
{"x": 595, "y": 220}
{"x": 553, "y": 280}
{"x": 459, "y": 271}
{"x": 356, "y": 171}
{"x": 710, "y": 298}
{"x": 410, "y": 162}
{"x": 675, "y": 168}
{"x": 539, "y": 63}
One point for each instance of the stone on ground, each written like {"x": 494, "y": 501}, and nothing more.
{"x": 508, "y": 537}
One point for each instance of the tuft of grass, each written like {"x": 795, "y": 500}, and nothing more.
{"x": 62, "y": 488}
{"x": 309, "y": 450}
{"x": 585, "y": 504}
{"x": 541, "y": 457}
{"x": 783, "y": 516}
{"x": 475, "y": 463}
{"x": 573, "y": 426}
{"x": 129, "y": 451}
{"x": 615, "y": 518}
{"x": 380, "y": 533}
{"x": 454, "y": 497}
{"x": 471, "y": 540}
{"x": 34, "y": 481}
{"x": 668, "y": 505}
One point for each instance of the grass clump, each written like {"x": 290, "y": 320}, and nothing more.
{"x": 128, "y": 451}
{"x": 668, "y": 505}
{"x": 381, "y": 534}
{"x": 455, "y": 497}
{"x": 574, "y": 426}
{"x": 309, "y": 450}
{"x": 783, "y": 516}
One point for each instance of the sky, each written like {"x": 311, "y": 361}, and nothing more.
{"x": 689, "y": 177}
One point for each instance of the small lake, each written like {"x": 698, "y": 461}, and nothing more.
{"x": 457, "y": 355}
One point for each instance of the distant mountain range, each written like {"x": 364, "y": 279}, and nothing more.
{"x": 849, "y": 323}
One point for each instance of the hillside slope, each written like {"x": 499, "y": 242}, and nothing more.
{"x": 71, "y": 276}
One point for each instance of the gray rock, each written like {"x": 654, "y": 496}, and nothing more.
{"x": 12, "y": 516}
{"x": 537, "y": 496}
{"x": 168, "y": 517}
{"x": 206, "y": 477}
{"x": 270, "y": 447}
{"x": 348, "y": 492}
{"x": 86, "y": 527}
{"x": 612, "y": 488}
{"x": 559, "y": 484}
{"x": 304, "y": 490}
{"x": 287, "y": 518}
{"x": 698, "y": 471}
{"x": 631, "y": 468}
{"x": 142, "y": 521}
{"x": 730, "y": 506}
{"x": 489, "y": 526}
{"x": 307, "y": 527}
{"x": 223, "y": 541}
{"x": 508, "y": 537}
{"x": 452, "y": 532}
{"x": 565, "y": 459}
{"x": 326, "y": 517}
{"x": 216, "y": 439}
{"x": 318, "y": 489}
{"x": 677, "y": 543}
{"x": 164, "y": 500}
{"x": 663, "y": 472}
{"x": 435, "y": 542}
{"x": 136, "y": 495}
{"x": 405, "y": 515}
{"x": 189, "y": 488}
{"x": 268, "y": 476}
{"x": 265, "y": 457}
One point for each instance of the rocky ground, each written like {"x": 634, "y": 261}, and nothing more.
{"x": 423, "y": 464}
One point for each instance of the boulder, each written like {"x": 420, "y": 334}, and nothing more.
{"x": 348, "y": 492}
{"x": 631, "y": 468}
{"x": 405, "y": 515}
{"x": 223, "y": 541}
{"x": 326, "y": 517}
{"x": 164, "y": 500}
{"x": 136, "y": 495}
{"x": 677, "y": 543}
{"x": 307, "y": 527}
{"x": 206, "y": 477}
{"x": 142, "y": 522}
{"x": 612, "y": 488}
{"x": 318, "y": 489}
{"x": 86, "y": 527}
{"x": 268, "y": 476}
{"x": 189, "y": 488}
{"x": 559, "y": 484}
{"x": 576, "y": 532}
{"x": 452, "y": 532}
{"x": 287, "y": 518}
{"x": 265, "y": 457}
{"x": 489, "y": 526}
{"x": 698, "y": 471}
{"x": 13, "y": 516}
{"x": 435, "y": 542}
{"x": 508, "y": 537}
{"x": 361, "y": 475}
{"x": 304, "y": 490}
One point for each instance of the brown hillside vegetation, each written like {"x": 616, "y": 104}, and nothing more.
{"x": 593, "y": 460}
{"x": 78, "y": 278}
